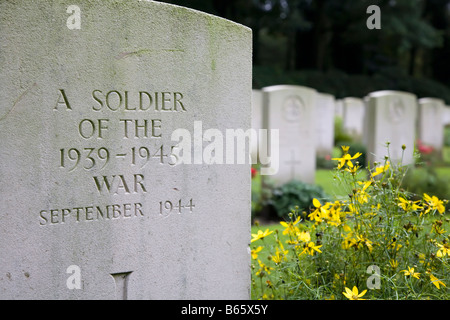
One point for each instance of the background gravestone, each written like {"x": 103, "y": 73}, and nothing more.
{"x": 430, "y": 127}
{"x": 391, "y": 117}
{"x": 339, "y": 108}
{"x": 291, "y": 110}
{"x": 324, "y": 119}
{"x": 93, "y": 202}
{"x": 257, "y": 114}
{"x": 353, "y": 117}
{"x": 446, "y": 115}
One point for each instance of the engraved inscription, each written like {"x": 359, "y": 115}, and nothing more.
{"x": 96, "y": 159}
{"x": 121, "y": 280}
{"x": 293, "y": 108}
{"x": 116, "y": 100}
{"x": 292, "y": 162}
{"x": 168, "y": 207}
{"x": 90, "y": 213}
{"x": 396, "y": 110}
{"x": 116, "y": 184}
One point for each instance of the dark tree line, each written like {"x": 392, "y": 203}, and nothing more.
{"x": 331, "y": 35}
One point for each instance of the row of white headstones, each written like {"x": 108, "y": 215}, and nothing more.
{"x": 305, "y": 119}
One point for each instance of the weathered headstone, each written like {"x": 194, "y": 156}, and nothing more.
{"x": 95, "y": 203}
{"x": 353, "y": 120}
{"x": 446, "y": 116}
{"x": 290, "y": 109}
{"x": 430, "y": 127}
{"x": 391, "y": 118}
{"x": 257, "y": 115}
{"x": 339, "y": 108}
{"x": 324, "y": 120}
{"x": 365, "y": 133}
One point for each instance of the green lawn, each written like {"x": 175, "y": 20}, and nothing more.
{"x": 333, "y": 187}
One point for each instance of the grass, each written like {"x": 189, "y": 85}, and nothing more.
{"x": 325, "y": 179}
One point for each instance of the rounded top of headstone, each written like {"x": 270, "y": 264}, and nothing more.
{"x": 325, "y": 95}
{"x": 190, "y": 10}
{"x": 352, "y": 99}
{"x": 287, "y": 87}
{"x": 431, "y": 100}
{"x": 385, "y": 93}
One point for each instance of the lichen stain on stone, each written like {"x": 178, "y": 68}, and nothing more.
{"x": 17, "y": 101}
{"x": 142, "y": 52}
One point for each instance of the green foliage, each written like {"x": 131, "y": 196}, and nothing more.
{"x": 324, "y": 162}
{"x": 426, "y": 180}
{"x": 294, "y": 195}
{"x": 447, "y": 136}
{"x": 378, "y": 243}
{"x": 356, "y": 147}
{"x": 340, "y": 136}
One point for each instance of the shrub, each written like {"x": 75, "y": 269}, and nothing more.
{"x": 447, "y": 136}
{"x": 340, "y": 136}
{"x": 294, "y": 195}
{"x": 378, "y": 244}
{"x": 425, "y": 180}
{"x": 356, "y": 147}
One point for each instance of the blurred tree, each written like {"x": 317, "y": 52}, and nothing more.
{"x": 332, "y": 36}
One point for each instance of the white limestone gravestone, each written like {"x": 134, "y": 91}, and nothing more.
{"x": 324, "y": 120}
{"x": 257, "y": 115}
{"x": 446, "y": 115}
{"x": 95, "y": 203}
{"x": 430, "y": 128}
{"x": 391, "y": 117}
{"x": 353, "y": 120}
{"x": 339, "y": 108}
{"x": 290, "y": 109}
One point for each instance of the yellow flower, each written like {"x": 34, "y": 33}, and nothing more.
{"x": 290, "y": 227}
{"x": 254, "y": 252}
{"x": 266, "y": 297}
{"x": 310, "y": 248}
{"x": 436, "y": 281}
{"x": 304, "y": 236}
{"x": 421, "y": 257}
{"x": 433, "y": 203}
{"x": 357, "y": 242}
{"x": 279, "y": 255}
{"x": 334, "y": 216}
{"x": 320, "y": 212}
{"x": 352, "y": 170}
{"x": 260, "y": 235}
{"x": 393, "y": 263}
{"x": 381, "y": 169}
{"x": 262, "y": 269}
{"x": 394, "y": 245}
{"x": 345, "y": 149}
{"x": 361, "y": 195}
{"x": 444, "y": 249}
{"x": 436, "y": 227}
{"x": 354, "y": 293}
{"x": 410, "y": 272}
{"x": 408, "y": 205}
{"x": 346, "y": 159}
